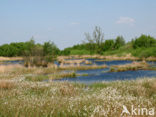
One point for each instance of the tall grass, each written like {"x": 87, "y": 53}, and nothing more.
{"x": 6, "y": 84}
{"x": 82, "y": 67}
{"x": 57, "y": 99}
{"x": 51, "y": 76}
{"x": 133, "y": 66}
{"x": 9, "y": 68}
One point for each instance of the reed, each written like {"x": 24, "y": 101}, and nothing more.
{"x": 82, "y": 67}
{"x": 10, "y": 58}
{"x": 62, "y": 75}
{"x": 7, "y": 84}
{"x": 36, "y": 78}
{"x": 9, "y": 68}
{"x": 133, "y": 66}
{"x": 50, "y": 76}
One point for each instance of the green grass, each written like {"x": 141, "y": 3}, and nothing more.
{"x": 37, "y": 78}
{"x": 124, "y": 50}
{"x": 62, "y": 75}
{"x": 50, "y": 76}
{"x": 79, "y": 52}
{"x": 144, "y": 52}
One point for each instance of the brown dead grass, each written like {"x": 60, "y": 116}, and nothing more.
{"x": 111, "y": 57}
{"x": 151, "y": 59}
{"x": 6, "y": 84}
{"x": 10, "y": 58}
{"x": 154, "y": 85}
{"x": 133, "y": 66}
{"x": 73, "y": 67}
{"x": 8, "y": 68}
{"x": 68, "y": 90}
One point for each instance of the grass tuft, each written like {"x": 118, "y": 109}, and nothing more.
{"x": 6, "y": 84}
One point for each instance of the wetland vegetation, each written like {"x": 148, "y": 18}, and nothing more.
{"x": 19, "y": 97}
{"x": 38, "y": 84}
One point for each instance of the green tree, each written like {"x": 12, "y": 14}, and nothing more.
{"x": 119, "y": 41}
{"x": 144, "y": 41}
{"x": 95, "y": 41}
{"x": 108, "y": 45}
{"x": 49, "y": 48}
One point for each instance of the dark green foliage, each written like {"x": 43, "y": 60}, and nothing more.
{"x": 66, "y": 51}
{"x": 79, "y": 49}
{"x": 50, "y": 51}
{"x": 40, "y": 55}
{"x": 16, "y": 49}
{"x": 28, "y": 48}
{"x": 108, "y": 45}
{"x": 144, "y": 46}
{"x": 119, "y": 42}
{"x": 6, "y": 50}
{"x": 144, "y": 52}
{"x": 34, "y": 54}
{"x": 144, "y": 41}
{"x": 49, "y": 48}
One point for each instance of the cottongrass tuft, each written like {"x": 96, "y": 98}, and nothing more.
{"x": 34, "y": 99}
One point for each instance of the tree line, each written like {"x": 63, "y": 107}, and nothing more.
{"x": 93, "y": 44}
{"x": 28, "y": 48}
{"x": 96, "y": 44}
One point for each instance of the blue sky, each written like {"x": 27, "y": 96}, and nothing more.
{"x": 65, "y": 21}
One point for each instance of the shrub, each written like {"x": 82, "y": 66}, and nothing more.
{"x": 144, "y": 52}
{"x": 41, "y": 55}
{"x": 79, "y": 52}
{"x": 108, "y": 45}
{"x": 119, "y": 42}
{"x": 144, "y": 41}
{"x": 49, "y": 48}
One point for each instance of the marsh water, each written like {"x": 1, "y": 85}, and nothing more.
{"x": 12, "y": 62}
{"x": 98, "y": 75}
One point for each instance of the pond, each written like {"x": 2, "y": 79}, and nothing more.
{"x": 12, "y": 62}
{"x": 98, "y": 75}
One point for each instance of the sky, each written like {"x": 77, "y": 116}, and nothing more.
{"x": 65, "y": 21}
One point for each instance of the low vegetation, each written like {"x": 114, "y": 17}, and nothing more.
{"x": 142, "y": 47}
{"x": 55, "y": 99}
{"x": 51, "y": 77}
{"x": 6, "y": 84}
{"x": 133, "y": 66}
{"x": 82, "y": 67}
{"x": 25, "y": 48}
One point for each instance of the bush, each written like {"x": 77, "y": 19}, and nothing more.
{"x": 41, "y": 55}
{"x": 144, "y": 52}
{"x": 119, "y": 42}
{"x": 144, "y": 41}
{"x": 49, "y": 48}
{"x": 80, "y": 52}
{"x": 108, "y": 45}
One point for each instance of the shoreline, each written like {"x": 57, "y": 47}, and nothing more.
{"x": 2, "y": 59}
{"x": 100, "y": 57}
{"x": 106, "y": 58}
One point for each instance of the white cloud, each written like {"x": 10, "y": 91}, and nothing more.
{"x": 126, "y": 20}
